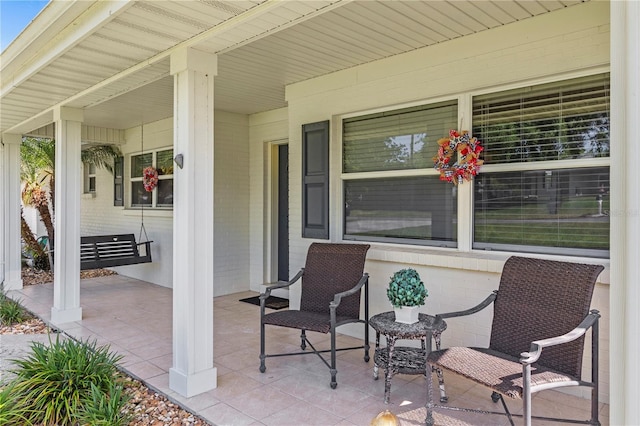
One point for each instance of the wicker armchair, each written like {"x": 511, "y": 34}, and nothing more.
{"x": 541, "y": 315}
{"x": 332, "y": 280}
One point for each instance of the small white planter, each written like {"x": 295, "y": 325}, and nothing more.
{"x": 407, "y": 314}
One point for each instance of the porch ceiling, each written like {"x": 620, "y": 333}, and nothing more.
{"x": 112, "y": 58}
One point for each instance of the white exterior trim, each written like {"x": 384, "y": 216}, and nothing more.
{"x": 96, "y": 16}
{"x": 625, "y": 207}
{"x": 193, "y": 232}
{"x": 68, "y": 180}
{"x": 10, "y": 250}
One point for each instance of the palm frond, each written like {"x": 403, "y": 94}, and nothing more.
{"x": 38, "y": 154}
{"x": 101, "y": 156}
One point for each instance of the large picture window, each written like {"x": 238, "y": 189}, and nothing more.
{"x": 162, "y": 195}
{"x": 545, "y": 183}
{"x": 391, "y": 191}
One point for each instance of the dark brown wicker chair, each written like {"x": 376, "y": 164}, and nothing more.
{"x": 332, "y": 280}
{"x": 541, "y": 314}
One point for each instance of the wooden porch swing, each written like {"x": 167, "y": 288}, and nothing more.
{"x": 104, "y": 251}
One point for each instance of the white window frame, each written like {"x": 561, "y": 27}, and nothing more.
{"x": 154, "y": 194}
{"x": 89, "y": 173}
{"x": 465, "y": 212}
{"x": 336, "y": 154}
{"x": 532, "y": 166}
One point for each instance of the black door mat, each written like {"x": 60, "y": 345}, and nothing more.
{"x": 273, "y": 302}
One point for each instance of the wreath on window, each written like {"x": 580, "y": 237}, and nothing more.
{"x": 458, "y": 157}
{"x": 149, "y": 178}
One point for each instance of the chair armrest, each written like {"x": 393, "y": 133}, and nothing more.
{"x": 536, "y": 347}
{"x": 486, "y": 302}
{"x": 338, "y": 297}
{"x": 144, "y": 243}
{"x": 281, "y": 284}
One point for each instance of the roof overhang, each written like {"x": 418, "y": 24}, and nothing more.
{"x": 111, "y": 58}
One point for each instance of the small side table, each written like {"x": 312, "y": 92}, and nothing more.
{"x": 403, "y": 359}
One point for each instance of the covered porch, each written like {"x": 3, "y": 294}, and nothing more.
{"x": 134, "y": 318}
{"x": 226, "y": 85}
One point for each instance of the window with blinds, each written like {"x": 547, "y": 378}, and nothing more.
{"x": 396, "y": 140}
{"x": 538, "y": 203}
{"x": 384, "y": 200}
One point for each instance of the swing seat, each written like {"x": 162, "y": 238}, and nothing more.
{"x": 104, "y": 251}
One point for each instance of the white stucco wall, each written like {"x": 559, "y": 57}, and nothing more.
{"x": 231, "y": 245}
{"x": 571, "y": 42}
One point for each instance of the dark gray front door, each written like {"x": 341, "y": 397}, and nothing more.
{"x": 283, "y": 213}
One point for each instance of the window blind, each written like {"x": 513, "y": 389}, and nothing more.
{"x": 556, "y": 121}
{"x": 395, "y": 140}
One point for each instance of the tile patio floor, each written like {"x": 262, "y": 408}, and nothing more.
{"x": 134, "y": 318}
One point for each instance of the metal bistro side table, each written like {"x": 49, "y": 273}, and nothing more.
{"x": 403, "y": 359}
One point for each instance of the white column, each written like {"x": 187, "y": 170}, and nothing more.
{"x": 193, "y": 372}
{"x": 68, "y": 181}
{"x": 10, "y": 249}
{"x": 625, "y": 214}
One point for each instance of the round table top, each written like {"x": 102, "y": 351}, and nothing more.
{"x": 386, "y": 324}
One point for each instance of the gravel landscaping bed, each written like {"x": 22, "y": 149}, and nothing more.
{"x": 149, "y": 408}
{"x": 32, "y": 276}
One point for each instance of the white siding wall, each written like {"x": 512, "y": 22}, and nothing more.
{"x": 231, "y": 226}
{"x": 545, "y": 48}
{"x": 231, "y": 203}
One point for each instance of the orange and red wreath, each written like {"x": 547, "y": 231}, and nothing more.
{"x": 149, "y": 178}
{"x": 458, "y": 157}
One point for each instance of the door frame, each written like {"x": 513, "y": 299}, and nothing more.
{"x": 271, "y": 260}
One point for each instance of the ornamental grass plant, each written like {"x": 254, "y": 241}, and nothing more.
{"x": 106, "y": 408}
{"x": 10, "y": 310}
{"x": 59, "y": 383}
{"x": 12, "y": 409}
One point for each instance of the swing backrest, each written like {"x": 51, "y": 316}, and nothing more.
{"x": 103, "y": 251}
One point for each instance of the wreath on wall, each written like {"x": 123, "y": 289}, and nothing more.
{"x": 149, "y": 178}
{"x": 458, "y": 157}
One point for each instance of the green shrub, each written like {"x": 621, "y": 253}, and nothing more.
{"x": 10, "y": 310}
{"x": 406, "y": 289}
{"x": 12, "y": 409}
{"x": 106, "y": 409}
{"x": 55, "y": 381}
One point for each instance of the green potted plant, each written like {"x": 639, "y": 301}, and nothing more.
{"x": 407, "y": 293}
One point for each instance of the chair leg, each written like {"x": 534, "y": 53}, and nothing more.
{"x": 526, "y": 394}
{"x": 366, "y": 342}
{"x": 595, "y": 378}
{"x": 500, "y": 398}
{"x": 366, "y": 321}
{"x": 333, "y": 369}
{"x": 303, "y": 340}
{"x": 263, "y": 368}
{"x": 429, "y": 376}
{"x": 443, "y": 394}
